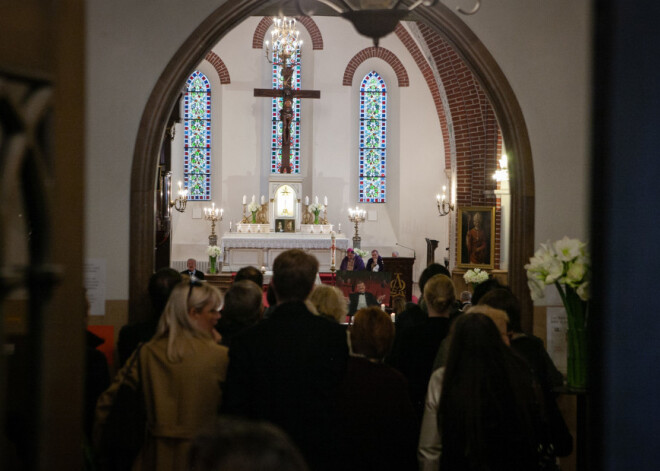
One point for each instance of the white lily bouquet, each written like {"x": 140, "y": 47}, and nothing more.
{"x": 253, "y": 207}
{"x": 566, "y": 265}
{"x": 315, "y": 209}
{"x": 362, "y": 253}
{"x": 213, "y": 252}
{"x": 475, "y": 276}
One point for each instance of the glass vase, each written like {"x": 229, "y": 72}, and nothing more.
{"x": 576, "y": 338}
{"x": 212, "y": 261}
{"x": 254, "y": 217}
{"x": 316, "y": 217}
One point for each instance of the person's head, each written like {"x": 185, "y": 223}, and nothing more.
{"x": 466, "y": 296}
{"x": 192, "y": 311}
{"x": 250, "y": 273}
{"x": 191, "y": 264}
{"x": 329, "y": 302}
{"x": 271, "y": 297}
{"x": 294, "y": 274}
{"x": 504, "y": 299}
{"x": 350, "y": 253}
{"x": 372, "y": 333}
{"x": 398, "y": 304}
{"x": 241, "y": 445}
{"x": 498, "y": 316}
{"x": 360, "y": 287}
{"x": 432, "y": 270}
{"x": 439, "y": 295}
{"x": 374, "y": 254}
{"x": 484, "y": 287}
{"x": 161, "y": 284}
{"x": 243, "y": 304}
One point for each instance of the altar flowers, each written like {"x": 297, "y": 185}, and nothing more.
{"x": 316, "y": 208}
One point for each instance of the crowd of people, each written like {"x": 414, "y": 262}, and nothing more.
{"x": 226, "y": 384}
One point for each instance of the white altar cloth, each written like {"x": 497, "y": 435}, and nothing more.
{"x": 260, "y": 250}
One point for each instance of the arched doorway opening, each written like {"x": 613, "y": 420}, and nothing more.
{"x": 226, "y": 17}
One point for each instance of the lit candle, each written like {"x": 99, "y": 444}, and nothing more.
{"x": 253, "y": 198}
{"x": 316, "y": 199}
{"x": 339, "y": 228}
{"x": 222, "y": 211}
{"x": 306, "y": 200}
{"x": 244, "y": 199}
{"x": 325, "y": 200}
{"x": 263, "y": 199}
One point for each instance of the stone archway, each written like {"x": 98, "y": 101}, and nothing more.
{"x": 227, "y": 16}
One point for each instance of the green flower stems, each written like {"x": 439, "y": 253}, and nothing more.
{"x": 576, "y": 313}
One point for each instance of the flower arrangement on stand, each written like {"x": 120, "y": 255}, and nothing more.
{"x": 316, "y": 208}
{"x": 362, "y": 253}
{"x": 475, "y": 276}
{"x": 213, "y": 252}
{"x": 253, "y": 207}
{"x": 566, "y": 265}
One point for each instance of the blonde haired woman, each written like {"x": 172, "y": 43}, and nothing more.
{"x": 179, "y": 373}
{"x": 329, "y": 302}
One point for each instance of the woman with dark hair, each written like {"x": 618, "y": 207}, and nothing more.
{"x": 488, "y": 405}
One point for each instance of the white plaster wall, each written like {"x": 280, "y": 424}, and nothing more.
{"x": 542, "y": 47}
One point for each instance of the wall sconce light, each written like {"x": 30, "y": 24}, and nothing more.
{"x": 502, "y": 174}
{"x": 444, "y": 206}
{"x": 181, "y": 200}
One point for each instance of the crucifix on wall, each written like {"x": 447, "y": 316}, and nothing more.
{"x": 288, "y": 94}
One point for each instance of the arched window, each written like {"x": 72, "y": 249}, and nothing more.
{"x": 373, "y": 145}
{"x": 197, "y": 137}
{"x": 276, "y": 133}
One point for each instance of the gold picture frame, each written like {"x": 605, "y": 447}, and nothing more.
{"x": 476, "y": 245}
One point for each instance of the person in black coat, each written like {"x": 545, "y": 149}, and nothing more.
{"x": 360, "y": 298}
{"x": 192, "y": 270}
{"x": 375, "y": 263}
{"x": 287, "y": 369}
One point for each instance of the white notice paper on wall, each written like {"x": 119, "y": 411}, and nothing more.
{"x": 95, "y": 278}
{"x": 557, "y": 324}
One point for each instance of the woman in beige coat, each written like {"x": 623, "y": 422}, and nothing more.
{"x": 181, "y": 371}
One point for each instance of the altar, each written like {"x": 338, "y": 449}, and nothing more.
{"x": 260, "y": 249}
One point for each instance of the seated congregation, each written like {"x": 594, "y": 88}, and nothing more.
{"x": 223, "y": 386}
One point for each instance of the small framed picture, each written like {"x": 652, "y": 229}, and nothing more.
{"x": 285, "y": 225}
{"x": 476, "y": 244}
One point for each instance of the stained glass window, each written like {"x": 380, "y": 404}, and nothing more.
{"x": 276, "y": 126}
{"x": 197, "y": 137}
{"x": 373, "y": 145}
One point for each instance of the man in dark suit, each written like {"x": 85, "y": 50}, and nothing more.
{"x": 192, "y": 270}
{"x": 287, "y": 369}
{"x": 361, "y": 298}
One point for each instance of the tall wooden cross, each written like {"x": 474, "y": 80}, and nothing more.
{"x": 287, "y": 93}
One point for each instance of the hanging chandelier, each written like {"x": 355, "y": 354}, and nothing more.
{"x": 284, "y": 38}
{"x": 372, "y": 18}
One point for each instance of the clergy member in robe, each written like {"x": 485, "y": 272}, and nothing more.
{"x": 352, "y": 261}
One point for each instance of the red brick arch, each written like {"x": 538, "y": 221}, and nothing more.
{"x": 380, "y": 53}
{"x": 219, "y": 67}
{"x": 307, "y": 22}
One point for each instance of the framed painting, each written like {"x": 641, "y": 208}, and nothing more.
{"x": 285, "y": 225}
{"x": 476, "y": 237}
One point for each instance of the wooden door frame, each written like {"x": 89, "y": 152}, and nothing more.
{"x": 227, "y": 16}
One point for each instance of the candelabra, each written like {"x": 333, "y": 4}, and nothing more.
{"x": 213, "y": 215}
{"x": 356, "y": 216}
{"x": 444, "y": 206}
